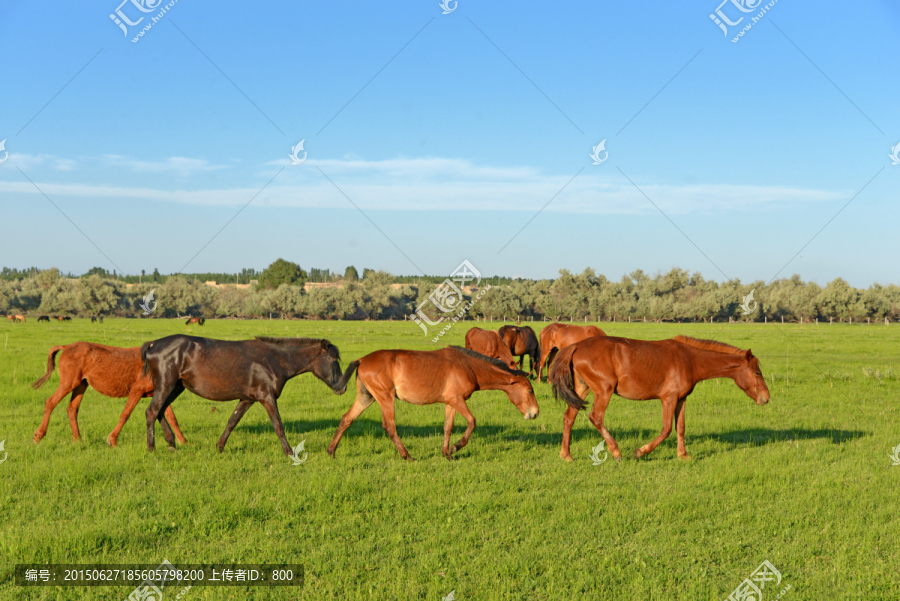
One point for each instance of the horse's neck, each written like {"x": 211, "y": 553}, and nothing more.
{"x": 708, "y": 365}
{"x": 488, "y": 376}
{"x": 296, "y": 360}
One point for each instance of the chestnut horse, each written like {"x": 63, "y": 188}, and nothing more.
{"x": 488, "y": 343}
{"x": 246, "y": 370}
{"x": 20, "y": 318}
{"x": 196, "y": 320}
{"x": 647, "y": 369}
{"x": 112, "y": 371}
{"x": 449, "y": 375}
{"x": 559, "y": 335}
{"x": 522, "y": 342}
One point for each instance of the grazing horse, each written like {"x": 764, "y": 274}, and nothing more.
{"x": 44, "y": 318}
{"x": 559, "y": 335}
{"x": 20, "y": 318}
{"x": 647, "y": 369}
{"x": 489, "y": 343}
{"x": 63, "y": 318}
{"x": 247, "y": 370}
{"x": 112, "y": 371}
{"x": 96, "y": 318}
{"x": 522, "y": 342}
{"x": 196, "y": 320}
{"x": 449, "y": 375}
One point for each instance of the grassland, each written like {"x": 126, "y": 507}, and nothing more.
{"x": 805, "y": 482}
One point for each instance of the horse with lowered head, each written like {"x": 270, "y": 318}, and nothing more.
{"x": 250, "y": 371}
{"x": 522, "y": 342}
{"x": 647, "y": 369}
{"x": 489, "y": 343}
{"x": 449, "y": 375}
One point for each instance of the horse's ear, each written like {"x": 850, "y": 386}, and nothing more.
{"x": 325, "y": 344}
{"x": 749, "y": 354}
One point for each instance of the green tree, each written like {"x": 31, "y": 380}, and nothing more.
{"x": 350, "y": 274}
{"x": 281, "y": 272}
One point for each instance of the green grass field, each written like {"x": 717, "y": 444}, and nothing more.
{"x": 805, "y": 482}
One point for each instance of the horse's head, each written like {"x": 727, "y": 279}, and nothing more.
{"x": 521, "y": 394}
{"x": 749, "y": 378}
{"x": 327, "y": 363}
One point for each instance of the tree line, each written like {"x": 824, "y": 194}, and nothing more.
{"x": 674, "y": 296}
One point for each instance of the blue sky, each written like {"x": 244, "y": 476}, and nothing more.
{"x": 724, "y": 158}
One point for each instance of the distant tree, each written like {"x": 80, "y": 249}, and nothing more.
{"x": 281, "y": 272}
{"x": 155, "y": 274}
{"x": 367, "y": 271}
{"x": 350, "y": 274}
{"x": 284, "y": 300}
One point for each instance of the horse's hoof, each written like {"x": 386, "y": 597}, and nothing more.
{"x": 637, "y": 454}
{"x": 409, "y": 458}
{"x": 171, "y": 449}
{"x": 112, "y": 442}
{"x": 686, "y": 457}
{"x": 453, "y": 449}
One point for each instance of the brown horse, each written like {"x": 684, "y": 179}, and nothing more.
{"x": 224, "y": 370}
{"x": 559, "y": 335}
{"x": 112, "y": 371}
{"x": 488, "y": 343}
{"x": 20, "y": 318}
{"x": 522, "y": 342}
{"x": 197, "y": 320}
{"x": 10, "y": 317}
{"x": 449, "y": 375}
{"x": 647, "y": 369}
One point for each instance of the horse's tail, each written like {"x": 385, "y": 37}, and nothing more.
{"x": 144, "y": 349}
{"x": 340, "y": 387}
{"x": 561, "y": 377}
{"x": 51, "y": 365}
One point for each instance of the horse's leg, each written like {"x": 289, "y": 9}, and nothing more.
{"x": 239, "y": 412}
{"x": 601, "y": 402}
{"x": 568, "y": 420}
{"x": 547, "y": 360}
{"x": 449, "y": 414}
{"x": 63, "y": 389}
{"x": 544, "y": 353}
{"x": 170, "y": 417}
{"x": 668, "y": 412}
{"x": 679, "y": 428}
{"x": 74, "y": 404}
{"x": 459, "y": 404}
{"x": 163, "y": 422}
{"x": 390, "y": 427}
{"x": 156, "y": 408}
{"x": 362, "y": 402}
{"x": 133, "y": 397}
{"x": 271, "y": 405}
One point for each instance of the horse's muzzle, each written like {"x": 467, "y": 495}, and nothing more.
{"x": 532, "y": 414}
{"x": 763, "y": 399}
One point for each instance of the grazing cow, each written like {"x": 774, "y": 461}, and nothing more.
{"x": 489, "y": 344}
{"x": 112, "y": 371}
{"x": 44, "y": 318}
{"x": 522, "y": 342}
{"x": 559, "y": 335}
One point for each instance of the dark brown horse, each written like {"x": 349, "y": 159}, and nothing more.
{"x": 647, "y": 369}
{"x": 488, "y": 343}
{"x": 449, "y": 375}
{"x": 44, "y": 318}
{"x": 559, "y": 335}
{"x": 522, "y": 342}
{"x": 246, "y": 370}
{"x": 197, "y": 320}
{"x": 112, "y": 371}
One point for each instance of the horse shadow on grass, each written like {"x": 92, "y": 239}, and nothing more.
{"x": 553, "y": 438}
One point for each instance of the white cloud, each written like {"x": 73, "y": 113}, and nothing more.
{"x": 442, "y": 184}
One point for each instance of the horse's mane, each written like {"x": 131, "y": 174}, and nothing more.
{"x": 332, "y": 350}
{"x": 491, "y": 360}
{"x": 709, "y": 345}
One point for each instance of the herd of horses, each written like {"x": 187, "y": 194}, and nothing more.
{"x": 21, "y": 318}
{"x": 579, "y": 360}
